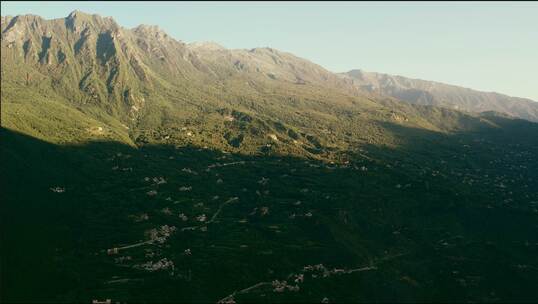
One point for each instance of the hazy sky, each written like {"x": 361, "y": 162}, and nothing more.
{"x": 486, "y": 46}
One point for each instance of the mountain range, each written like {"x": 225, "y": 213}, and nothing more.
{"x": 126, "y": 77}
{"x": 139, "y": 168}
{"x": 439, "y": 94}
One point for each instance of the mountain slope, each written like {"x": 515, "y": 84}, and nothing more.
{"x": 140, "y": 85}
{"x": 439, "y": 94}
{"x": 139, "y": 168}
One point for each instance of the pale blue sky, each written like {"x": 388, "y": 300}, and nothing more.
{"x": 486, "y": 46}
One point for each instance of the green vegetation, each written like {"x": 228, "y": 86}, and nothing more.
{"x": 445, "y": 225}
{"x": 141, "y": 169}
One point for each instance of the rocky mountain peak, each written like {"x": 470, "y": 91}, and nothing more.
{"x": 151, "y": 31}
{"x": 78, "y": 14}
{"x": 78, "y": 21}
{"x": 206, "y": 45}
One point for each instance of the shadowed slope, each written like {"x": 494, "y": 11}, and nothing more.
{"x": 423, "y": 219}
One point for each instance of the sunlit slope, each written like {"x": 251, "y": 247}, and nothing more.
{"x": 439, "y": 94}
{"x": 84, "y": 76}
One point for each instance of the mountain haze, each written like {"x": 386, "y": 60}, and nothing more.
{"x": 439, "y": 94}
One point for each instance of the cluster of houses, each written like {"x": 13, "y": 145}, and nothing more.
{"x": 162, "y": 264}
{"x": 156, "y": 180}
{"x": 57, "y": 189}
{"x": 161, "y": 234}
{"x": 281, "y": 286}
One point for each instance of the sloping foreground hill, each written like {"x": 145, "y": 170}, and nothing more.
{"x": 439, "y": 94}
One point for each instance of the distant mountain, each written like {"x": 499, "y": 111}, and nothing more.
{"x": 439, "y": 94}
